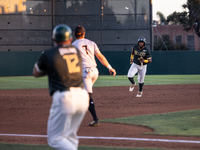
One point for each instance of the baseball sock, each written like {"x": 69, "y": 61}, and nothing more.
{"x": 92, "y": 108}
{"x": 131, "y": 80}
{"x": 141, "y": 86}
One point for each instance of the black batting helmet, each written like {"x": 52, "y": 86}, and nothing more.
{"x": 62, "y": 33}
{"x": 142, "y": 39}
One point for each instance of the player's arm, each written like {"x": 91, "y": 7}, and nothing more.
{"x": 149, "y": 58}
{"x": 37, "y": 72}
{"x": 104, "y": 62}
{"x": 132, "y": 56}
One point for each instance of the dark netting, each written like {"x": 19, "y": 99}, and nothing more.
{"x": 22, "y": 37}
{"x": 112, "y": 24}
{"x": 90, "y": 22}
{"x": 125, "y": 22}
{"x": 38, "y": 7}
{"x": 143, "y": 6}
{"x": 123, "y": 36}
{"x": 119, "y": 7}
{"x": 86, "y": 7}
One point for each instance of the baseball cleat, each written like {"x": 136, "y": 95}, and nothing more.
{"x": 131, "y": 88}
{"x": 139, "y": 94}
{"x": 94, "y": 123}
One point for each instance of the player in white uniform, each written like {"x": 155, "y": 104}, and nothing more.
{"x": 89, "y": 50}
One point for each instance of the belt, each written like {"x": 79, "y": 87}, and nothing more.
{"x": 63, "y": 90}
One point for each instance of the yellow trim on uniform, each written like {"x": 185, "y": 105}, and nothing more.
{"x": 132, "y": 56}
{"x": 146, "y": 61}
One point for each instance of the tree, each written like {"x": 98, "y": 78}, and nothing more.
{"x": 162, "y": 17}
{"x": 190, "y": 19}
{"x": 193, "y": 15}
{"x": 177, "y": 18}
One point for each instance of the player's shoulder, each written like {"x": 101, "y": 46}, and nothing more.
{"x": 86, "y": 41}
{"x": 146, "y": 49}
{"x": 46, "y": 53}
{"x": 135, "y": 47}
{"x": 89, "y": 41}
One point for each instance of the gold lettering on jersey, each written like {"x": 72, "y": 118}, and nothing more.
{"x": 139, "y": 53}
{"x": 72, "y": 61}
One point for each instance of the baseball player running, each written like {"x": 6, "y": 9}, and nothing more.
{"x": 140, "y": 57}
{"x": 63, "y": 65}
{"x": 89, "y": 50}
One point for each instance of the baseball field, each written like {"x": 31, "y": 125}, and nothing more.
{"x": 166, "y": 117}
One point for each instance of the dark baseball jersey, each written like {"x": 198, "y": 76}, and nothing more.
{"x": 63, "y": 64}
{"x": 145, "y": 53}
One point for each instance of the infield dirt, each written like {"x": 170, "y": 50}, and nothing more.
{"x": 26, "y": 112}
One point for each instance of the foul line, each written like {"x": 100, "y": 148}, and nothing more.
{"x": 111, "y": 138}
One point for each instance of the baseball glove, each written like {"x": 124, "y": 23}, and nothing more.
{"x": 141, "y": 59}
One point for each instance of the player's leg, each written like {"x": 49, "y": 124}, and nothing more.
{"x": 131, "y": 73}
{"x": 80, "y": 102}
{"x": 58, "y": 122}
{"x": 92, "y": 109}
{"x": 95, "y": 121}
{"x": 141, "y": 76}
{"x": 95, "y": 75}
{"x": 88, "y": 87}
{"x": 89, "y": 79}
{"x": 66, "y": 114}
{"x": 75, "y": 124}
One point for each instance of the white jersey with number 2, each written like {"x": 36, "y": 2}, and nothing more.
{"x": 87, "y": 49}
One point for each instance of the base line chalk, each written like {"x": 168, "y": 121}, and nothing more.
{"x": 111, "y": 138}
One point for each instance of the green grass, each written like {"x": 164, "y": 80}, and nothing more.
{"x": 29, "y": 82}
{"x": 183, "y": 123}
{"x": 122, "y": 80}
{"x": 23, "y": 82}
{"x": 7, "y": 146}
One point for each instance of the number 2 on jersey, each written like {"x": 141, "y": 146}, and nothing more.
{"x": 72, "y": 61}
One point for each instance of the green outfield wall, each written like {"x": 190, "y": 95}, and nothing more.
{"x": 163, "y": 63}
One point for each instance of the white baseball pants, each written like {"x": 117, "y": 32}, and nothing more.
{"x": 66, "y": 114}
{"x": 137, "y": 69}
{"x": 90, "y": 75}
